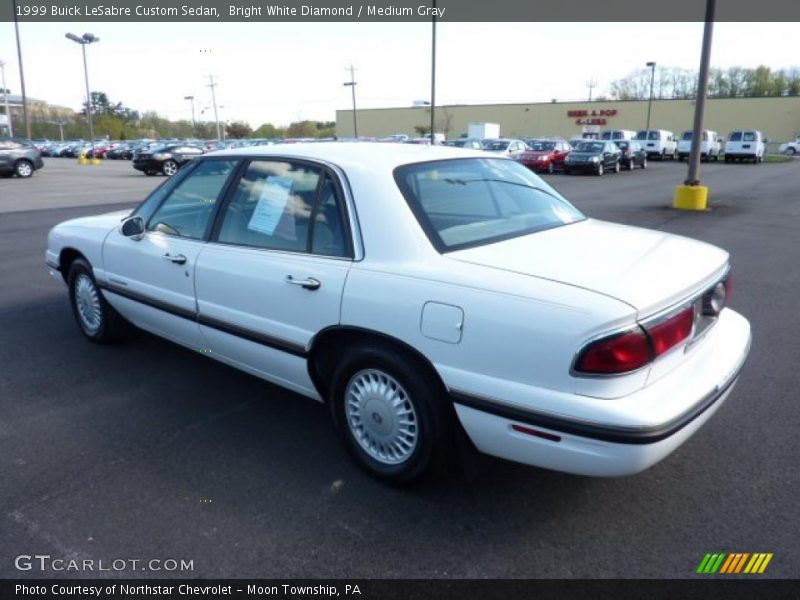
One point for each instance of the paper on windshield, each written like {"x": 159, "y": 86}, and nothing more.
{"x": 271, "y": 204}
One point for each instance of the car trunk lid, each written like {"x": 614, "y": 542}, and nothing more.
{"x": 649, "y": 270}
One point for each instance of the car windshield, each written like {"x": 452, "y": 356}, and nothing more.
{"x": 475, "y": 201}
{"x": 622, "y": 145}
{"x": 541, "y": 146}
{"x": 495, "y": 146}
{"x": 589, "y": 147}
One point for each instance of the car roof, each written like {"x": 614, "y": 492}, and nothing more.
{"x": 357, "y": 154}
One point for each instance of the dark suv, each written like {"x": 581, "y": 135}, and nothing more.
{"x": 18, "y": 159}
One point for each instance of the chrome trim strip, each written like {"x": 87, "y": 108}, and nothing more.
{"x": 225, "y": 327}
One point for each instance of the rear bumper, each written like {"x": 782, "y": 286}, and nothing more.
{"x": 604, "y": 448}
{"x": 581, "y": 167}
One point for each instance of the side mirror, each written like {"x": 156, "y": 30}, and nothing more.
{"x": 133, "y": 227}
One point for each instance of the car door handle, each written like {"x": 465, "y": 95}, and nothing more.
{"x": 308, "y": 283}
{"x": 178, "y": 259}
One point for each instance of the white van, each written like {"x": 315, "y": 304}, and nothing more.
{"x": 618, "y": 134}
{"x": 658, "y": 142}
{"x": 710, "y": 146}
{"x": 745, "y": 144}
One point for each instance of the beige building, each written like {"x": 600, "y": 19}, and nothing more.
{"x": 778, "y": 118}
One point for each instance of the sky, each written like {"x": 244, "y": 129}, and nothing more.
{"x": 284, "y": 72}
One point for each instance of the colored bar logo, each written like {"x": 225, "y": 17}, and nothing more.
{"x": 734, "y": 563}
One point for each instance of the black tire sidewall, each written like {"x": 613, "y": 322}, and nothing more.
{"x": 426, "y": 395}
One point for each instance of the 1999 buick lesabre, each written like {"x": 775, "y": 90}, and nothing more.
{"x": 418, "y": 291}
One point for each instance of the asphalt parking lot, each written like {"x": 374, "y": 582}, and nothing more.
{"x": 146, "y": 450}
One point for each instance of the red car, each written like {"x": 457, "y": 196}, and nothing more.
{"x": 544, "y": 155}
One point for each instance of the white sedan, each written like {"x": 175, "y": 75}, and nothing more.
{"x": 424, "y": 294}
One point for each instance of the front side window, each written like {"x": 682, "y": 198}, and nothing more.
{"x": 188, "y": 209}
{"x": 470, "y": 202}
{"x": 273, "y": 207}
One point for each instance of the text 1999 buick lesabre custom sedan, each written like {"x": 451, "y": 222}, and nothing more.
{"x": 422, "y": 292}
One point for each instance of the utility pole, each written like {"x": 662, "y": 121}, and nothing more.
{"x": 591, "y": 84}
{"x": 433, "y": 71}
{"x": 352, "y": 85}
{"x": 212, "y": 85}
{"x": 21, "y": 74}
{"x": 652, "y": 66}
{"x": 5, "y": 98}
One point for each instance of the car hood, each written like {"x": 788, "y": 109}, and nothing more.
{"x": 646, "y": 269}
{"x": 105, "y": 221}
{"x": 535, "y": 153}
{"x": 579, "y": 154}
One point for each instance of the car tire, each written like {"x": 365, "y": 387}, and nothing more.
{"x": 617, "y": 167}
{"x": 599, "y": 171}
{"x": 551, "y": 169}
{"x": 392, "y": 414}
{"x": 791, "y": 151}
{"x": 169, "y": 168}
{"x": 23, "y": 168}
{"x": 644, "y": 162}
{"x": 96, "y": 318}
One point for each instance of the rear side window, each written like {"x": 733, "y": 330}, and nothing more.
{"x": 286, "y": 205}
{"x": 736, "y": 136}
{"x": 470, "y": 202}
{"x": 271, "y": 206}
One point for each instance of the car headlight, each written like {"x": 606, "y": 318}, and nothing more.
{"x": 542, "y": 158}
{"x": 594, "y": 159}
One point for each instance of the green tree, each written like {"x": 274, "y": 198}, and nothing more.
{"x": 238, "y": 130}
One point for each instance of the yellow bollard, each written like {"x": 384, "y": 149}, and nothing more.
{"x": 690, "y": 197}
{"x": 95, "y": 161}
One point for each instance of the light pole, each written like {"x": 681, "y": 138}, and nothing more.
{"x": 84, "y": 41}
{"x": 691, "y": 195}
{"x": 5, "y": 98}
{"x": 352, "y": 85}
{"x": 652, "y": 66}
{"x": 21, "y": 73}
{"x": 191, "y": 100}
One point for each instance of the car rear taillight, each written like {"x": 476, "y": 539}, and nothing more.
{"x": 616, "y": 354}
{"x": 668, "y": 334}
{"x": 632, "y": 350}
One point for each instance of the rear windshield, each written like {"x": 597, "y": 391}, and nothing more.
{"x": 736, "y": 136}
{"x": 687, "y": 136}
{"x": 475, "y": 201}
{"x": 589, "y": 146}
{"x": 495, "y": 146}
{"x": 749, "y": 136}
